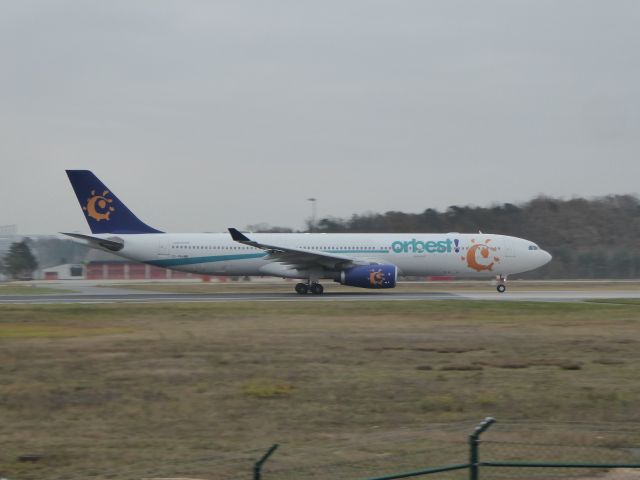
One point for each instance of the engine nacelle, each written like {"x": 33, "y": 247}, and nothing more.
{"x": 370, "y": 276}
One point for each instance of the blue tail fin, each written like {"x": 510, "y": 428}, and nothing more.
{"x": 104, "y": 212}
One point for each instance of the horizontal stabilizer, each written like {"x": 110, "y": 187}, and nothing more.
{"x": 113, "y": 244}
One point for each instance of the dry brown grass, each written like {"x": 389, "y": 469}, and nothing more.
{"x": 22, "y": 288}
{"x": 201, "y": 390}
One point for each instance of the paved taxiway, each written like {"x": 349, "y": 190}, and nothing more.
{"x": 123, "y": 296}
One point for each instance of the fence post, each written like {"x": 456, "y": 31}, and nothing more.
{"x": 257, "y": 467}
{"x": 474, "y": 442}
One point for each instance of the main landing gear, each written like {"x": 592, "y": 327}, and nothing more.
{"x": 313, "y": 287}
{"x": 501, "y": 283}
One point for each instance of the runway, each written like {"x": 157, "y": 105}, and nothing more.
{"x": 98, "y": 296}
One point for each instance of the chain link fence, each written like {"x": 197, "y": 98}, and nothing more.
{"x": 507, "y": 450}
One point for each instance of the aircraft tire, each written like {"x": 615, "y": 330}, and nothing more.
{"x": 501, "y": 288}
{"x": 302, "y": 288}
{"x": 317, "y": 289}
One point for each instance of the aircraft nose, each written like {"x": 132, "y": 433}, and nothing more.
{"x": 546, "y": 256}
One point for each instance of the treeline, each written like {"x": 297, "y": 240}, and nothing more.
{"x": 596, "y": 238}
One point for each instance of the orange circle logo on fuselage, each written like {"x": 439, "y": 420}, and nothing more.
{"x": 481, "y": 256}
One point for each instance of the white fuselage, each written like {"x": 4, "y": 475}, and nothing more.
{"x": 451, "y": 254}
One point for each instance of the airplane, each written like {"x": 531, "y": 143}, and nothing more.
{"x": 366, "y": 260}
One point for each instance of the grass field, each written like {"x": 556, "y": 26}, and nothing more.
{"x": 201, "y": 390}
{"x": 22, "y": 289}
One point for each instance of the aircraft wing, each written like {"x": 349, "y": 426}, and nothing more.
{"x": 299, "y": 258}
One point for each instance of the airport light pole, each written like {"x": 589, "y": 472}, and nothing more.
{"x": 313, "y": 201}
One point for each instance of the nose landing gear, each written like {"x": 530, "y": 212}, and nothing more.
{"x": 502, "y": 279}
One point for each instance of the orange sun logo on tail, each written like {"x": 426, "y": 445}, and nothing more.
{"x": 98, "y": 206}
{"x": 481, "y": 256}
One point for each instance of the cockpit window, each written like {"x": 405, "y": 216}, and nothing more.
{"x": 533, "y": 247}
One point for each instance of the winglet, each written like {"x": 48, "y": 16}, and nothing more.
{"x": 237, "y": 236}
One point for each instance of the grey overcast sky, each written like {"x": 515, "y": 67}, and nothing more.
{"x": 206, "y": 114}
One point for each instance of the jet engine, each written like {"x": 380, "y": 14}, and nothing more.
{"x": 370, "y": 276}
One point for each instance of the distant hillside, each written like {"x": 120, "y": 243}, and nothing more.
{"x": 597, "y": 238}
